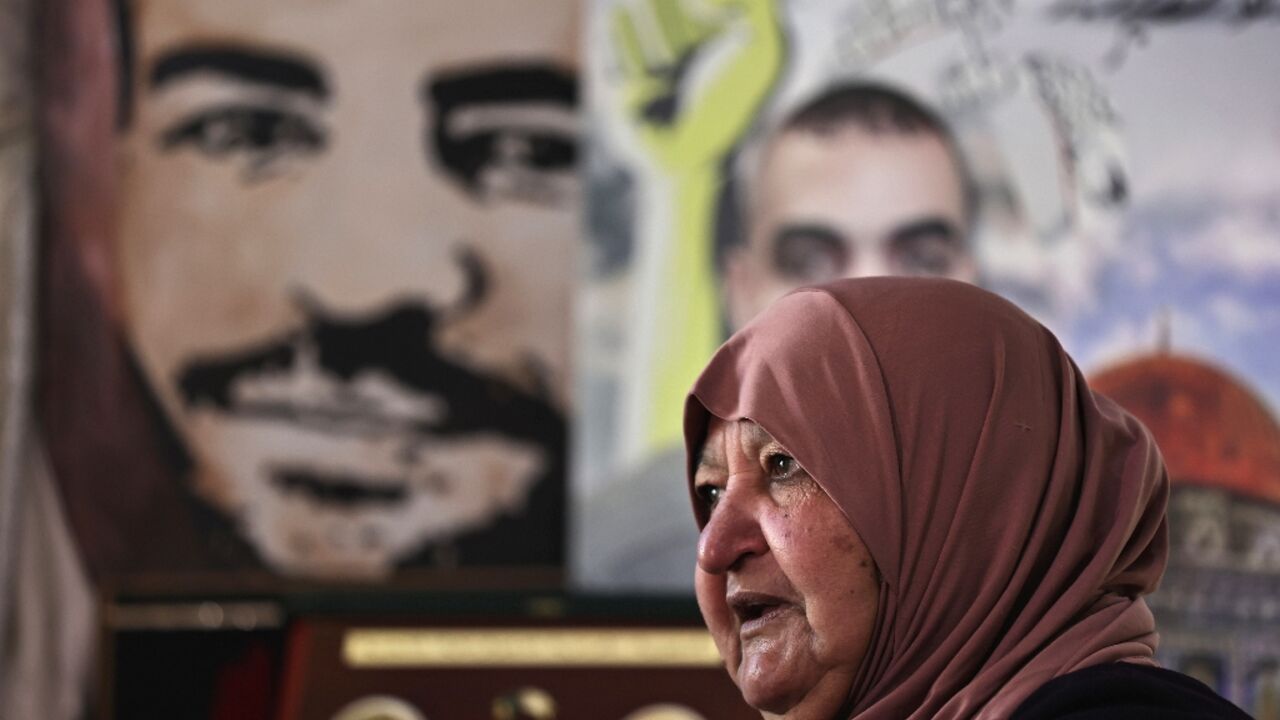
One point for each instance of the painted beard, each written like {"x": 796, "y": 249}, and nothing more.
{"x": 340, "y": 449}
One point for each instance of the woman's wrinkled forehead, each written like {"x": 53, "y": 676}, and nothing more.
{"x": 712, "y": 455}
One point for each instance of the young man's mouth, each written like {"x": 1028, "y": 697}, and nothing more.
{"x": 340, "y": 489}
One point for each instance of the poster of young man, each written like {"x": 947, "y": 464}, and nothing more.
{"x": 316, "y": 324}
{"x": 1106, "y": 165}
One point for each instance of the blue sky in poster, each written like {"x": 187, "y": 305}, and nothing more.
{"x": 1208, "y": 269}
{"x": 1197, "y": 250}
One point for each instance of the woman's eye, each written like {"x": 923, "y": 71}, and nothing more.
{"x": 781, "y": 466}
{"x": 709, "y": 495}
{"x": 263, "y": 134}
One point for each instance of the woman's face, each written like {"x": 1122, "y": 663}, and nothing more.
{"x": 785, "y": 584}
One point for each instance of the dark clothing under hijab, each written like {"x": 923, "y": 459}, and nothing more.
{"x": 1016, "y": 518}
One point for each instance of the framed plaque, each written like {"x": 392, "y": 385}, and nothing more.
{"x": 414, "y": 656}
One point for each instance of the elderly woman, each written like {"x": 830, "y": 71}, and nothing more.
{"x": 912, "y": 506}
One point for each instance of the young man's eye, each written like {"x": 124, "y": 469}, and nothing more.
{"x": 928, "y": 257}
{"x": 263, "y": 132}
{"x": 809, "y": 254}
{"x": 524, "y": 166}
{"x": 547, "y": 152}
{"x": 932, "y": 247}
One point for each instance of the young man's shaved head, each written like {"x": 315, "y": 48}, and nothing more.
{"x": 861, "y": 180}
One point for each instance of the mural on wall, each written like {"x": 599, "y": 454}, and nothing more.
{"x": 1110, "y": 166}
{"x": 327, "y": 335}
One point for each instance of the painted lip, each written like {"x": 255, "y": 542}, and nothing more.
{"x": 755, "y": 610}
{"x": 340, "y": 489}
{"x": 351, "y": 418}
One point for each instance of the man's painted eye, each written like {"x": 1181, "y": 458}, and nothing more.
{"x": 266, "y": 133}
{"x": 928, "y": 256}
{"x": 810, "y": 254}
{"x": 781, "y": 466}
{"x": 932, "y": 247}
{"x": 709, "y": 494}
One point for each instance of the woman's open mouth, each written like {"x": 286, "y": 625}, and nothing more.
{"x": 756, "y": 610}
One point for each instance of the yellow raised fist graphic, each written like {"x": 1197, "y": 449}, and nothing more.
{"x": 694, "y": 73}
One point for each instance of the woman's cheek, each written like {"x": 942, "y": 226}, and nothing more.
{"x": 710, "y": 591}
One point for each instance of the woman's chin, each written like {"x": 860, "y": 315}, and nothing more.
{"x": 792, "y": 688}
{"x": 766, "y": 686}
{"x": 767, "y": 701}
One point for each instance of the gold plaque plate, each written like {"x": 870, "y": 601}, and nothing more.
{"x": 528, "y": 647}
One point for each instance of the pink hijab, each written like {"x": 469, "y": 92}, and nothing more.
{"x": 1016, "y": 517}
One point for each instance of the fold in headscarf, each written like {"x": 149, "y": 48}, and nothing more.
{"x": 1016, "y": 517}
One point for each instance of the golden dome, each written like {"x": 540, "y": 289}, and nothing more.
{"x": 1212, "y": 430}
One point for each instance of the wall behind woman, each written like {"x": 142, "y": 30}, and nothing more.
{"x": 17, "y": 209}
{"x": 1122, "y": 160}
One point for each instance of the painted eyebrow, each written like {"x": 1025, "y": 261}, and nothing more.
{"x": 925, "y": 227}
{"x": 515, "y": 82}
{"x": 282, "y": 70}
{"x": 808, "y": 230}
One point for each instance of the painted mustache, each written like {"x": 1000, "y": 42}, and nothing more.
{"x": 399, "y": 344}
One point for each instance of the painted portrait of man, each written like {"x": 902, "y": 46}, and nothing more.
{"x": 340, "y": 282}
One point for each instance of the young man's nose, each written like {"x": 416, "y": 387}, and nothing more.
{"x": 468, "y": 266}
{"x": 869, "y": 262}
{"x": 386, "y": 228}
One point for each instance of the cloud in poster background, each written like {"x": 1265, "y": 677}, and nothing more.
{"x": 1245, "y": 244}
{"x": 1201, "y": 275}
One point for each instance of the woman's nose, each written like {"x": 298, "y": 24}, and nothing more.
{"x": 731, "y": 535}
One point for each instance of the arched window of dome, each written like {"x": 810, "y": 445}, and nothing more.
{"x": 1205, "y": 667}
{"x": 1205, "y": 540}
{"x": 1264, "y": 690}
{"x": 1263, "y": 554}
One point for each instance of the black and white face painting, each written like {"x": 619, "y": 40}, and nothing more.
{"x": 346, "y": 248}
